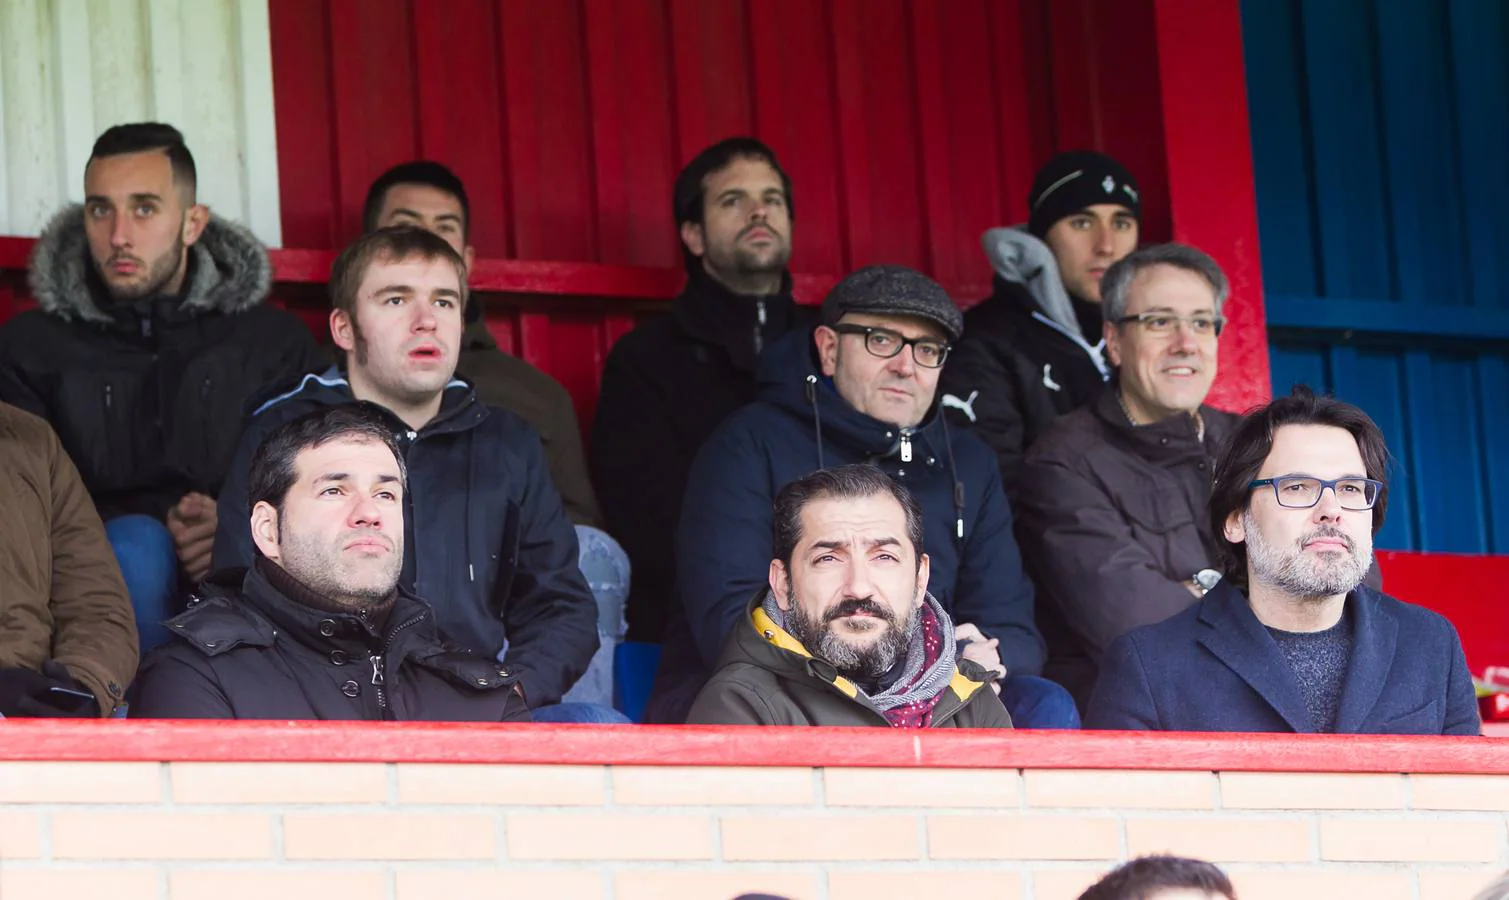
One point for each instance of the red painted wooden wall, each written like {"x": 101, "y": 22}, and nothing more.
{"x": 908, "y": 128}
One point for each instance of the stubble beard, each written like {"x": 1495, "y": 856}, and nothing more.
{"x": 160, "y": 272}
{"x": 322, "y": 570}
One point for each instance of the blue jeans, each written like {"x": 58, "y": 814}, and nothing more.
{"x": 1036, "y": 702}
{"x": 581, "y": 714}
{"x": 605, "y": 565}
{"x": 144, "y": 548}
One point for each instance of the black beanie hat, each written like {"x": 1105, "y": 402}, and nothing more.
{"x": 1075, "y": 180}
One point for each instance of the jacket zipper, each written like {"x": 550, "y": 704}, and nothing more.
{"x": 378, "y": 681}
{"x": 906, "y": 445}
{"x": 759, "y": 335}
{"x": 109, "y": 396}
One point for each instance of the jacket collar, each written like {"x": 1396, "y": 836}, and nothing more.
{"x": 1233, "y": 633}
{"x": 229, "y": 272}
{"x": 1172, "y": 440}
{"x": 709, "y": 312}
{"x": 460, "y": 409}
{"x": 217, "y": 619}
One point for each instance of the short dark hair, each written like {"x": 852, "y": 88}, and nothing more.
{"x": 690, "y": 195}
{"x": 1142, "y": 878}
{"x": 272, "y": 471}
{"x": 843, "y": 482}
{"x": 397, "y": 242}
{"x": 1248, "y": 446}
{"x": 140, "y": 137}
{"x": 421, "y": 171}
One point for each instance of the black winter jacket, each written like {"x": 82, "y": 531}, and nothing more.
{"x": 1024, "y": 359}
{"x": 244, "y": 650}
{"x": 799, "y": 425}
{"x": 149, "y": 398}
{"x": 486, "y": 539}
{"x": 666, "y": 386}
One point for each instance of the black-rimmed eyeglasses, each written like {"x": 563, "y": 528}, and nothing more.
{"x": 1303, "y": 492}
{"x": 884, "y": 343}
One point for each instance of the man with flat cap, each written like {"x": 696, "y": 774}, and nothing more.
{"x": 861, "y": 387}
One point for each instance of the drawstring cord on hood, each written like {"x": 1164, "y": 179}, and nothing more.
{"x": 817, "y": 417}
{"x": 953, "y": 473}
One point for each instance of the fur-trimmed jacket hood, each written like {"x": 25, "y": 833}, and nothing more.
{"x": 229, "y": 271}
{"x": 147, "y": 396}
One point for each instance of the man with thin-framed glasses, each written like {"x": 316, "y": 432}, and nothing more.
{"x": 1291, "y": 638}
{"x": 1111, "y": 506}
{"x": 861, "y": 387}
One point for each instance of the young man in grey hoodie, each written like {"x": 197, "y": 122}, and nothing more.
{"x": 1034, "y": 349}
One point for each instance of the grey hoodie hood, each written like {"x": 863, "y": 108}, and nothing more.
{"x": 230, "y": 274}
{"x": 1020, "y": 258}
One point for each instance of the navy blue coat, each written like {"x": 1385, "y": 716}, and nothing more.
{"x": 723, "y": 541}
{"x": 1214, "y": 667}
{"x": 486, "y": 538}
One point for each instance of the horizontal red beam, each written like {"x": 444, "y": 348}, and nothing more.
{"x": 157, "y": 741}
{"x": 508, "y": 276}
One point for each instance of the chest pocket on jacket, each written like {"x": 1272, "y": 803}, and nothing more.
{"x": 1163, "y": 523}
{"x": 108, "y": 422}
{"x": 207, "y": 416}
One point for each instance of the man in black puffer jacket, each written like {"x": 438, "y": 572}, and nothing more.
{"x": 319, "y": 628}
{"x": 149, "y": 340}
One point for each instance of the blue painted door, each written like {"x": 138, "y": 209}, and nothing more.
{"x": 1380, "y": 133}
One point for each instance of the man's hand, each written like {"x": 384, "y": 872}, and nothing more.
{"x": 1194, "y": 589}
{"x": 975, "y": 648}
{"x": 192, "y": 524}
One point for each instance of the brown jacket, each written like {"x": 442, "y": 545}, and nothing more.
{"x": 511, "y": 383}
{"x": 61, "y": 593}
{"x": 766, "y": 677}
{"x": 1112, "y": 520}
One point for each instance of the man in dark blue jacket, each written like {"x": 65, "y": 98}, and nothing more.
{"x": 860, "y": 388}
{"x": 487, "y": 540}
{"x": 1291, "y": 639}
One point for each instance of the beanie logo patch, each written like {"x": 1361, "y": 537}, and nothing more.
{"x": 1109, "y": 184}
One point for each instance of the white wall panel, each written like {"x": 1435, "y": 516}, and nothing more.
{"x": 69, "y": 69}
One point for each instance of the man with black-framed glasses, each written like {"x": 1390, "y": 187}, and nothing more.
{"x": 1110, "y": 508}
{"x": 861, "y": 387}
{"x": 1291, "y": 638}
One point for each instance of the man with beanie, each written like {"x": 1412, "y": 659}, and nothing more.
{"x": 846, "y": 632}
{"x": 861, "y": 387}
{"x": 669, "y": 382}
{"x": 1035, "y": 349}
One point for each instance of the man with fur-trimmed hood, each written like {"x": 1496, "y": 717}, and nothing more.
{"x": 149, "y": 340}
